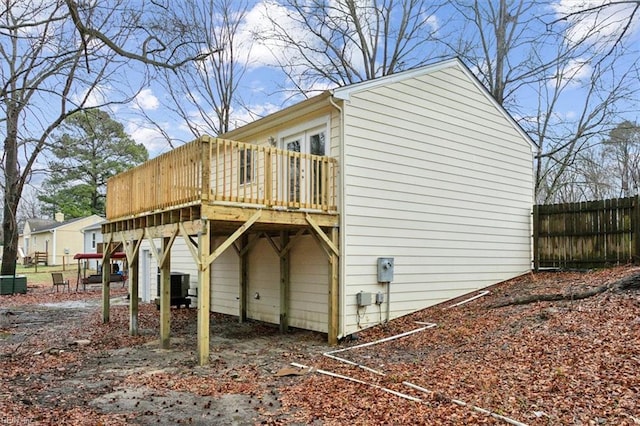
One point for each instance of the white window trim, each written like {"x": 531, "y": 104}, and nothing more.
{"x": 323, "y": 121}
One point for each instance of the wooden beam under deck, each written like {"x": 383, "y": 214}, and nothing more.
{"x": 274, "y": 217}
{"x": 227, "y": 218}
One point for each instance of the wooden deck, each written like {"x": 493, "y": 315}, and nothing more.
{"x": 215, "y": 187}
{"x": 225, "y": 181}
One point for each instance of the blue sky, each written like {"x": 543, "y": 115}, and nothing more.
{"x": 260, "y": 85}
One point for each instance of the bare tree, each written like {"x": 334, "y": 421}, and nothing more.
{"x": 322, "y": 43}
{"x": 578, "y": 86}
{"x": 203, "y": 93}
{"x": 614, "y": 19}
{"x": 60, "y": 57}
{"x": 504, "y": 43}
{"x": 146, "y": 31}
{"x": 608, "y": 169}
{"x": 48, "y": 73}
{"x": 587, "y": 177}
{"x": 623, "y": 148}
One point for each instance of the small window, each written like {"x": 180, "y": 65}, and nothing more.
{"x": 246, "y": 166}
{"x": 93, "y": 240}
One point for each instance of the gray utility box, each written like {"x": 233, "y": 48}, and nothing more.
{"x": 385, "y": 269}
{"x": 363, "y": 299}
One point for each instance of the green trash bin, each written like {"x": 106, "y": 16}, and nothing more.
{"x": 11, "y": 284}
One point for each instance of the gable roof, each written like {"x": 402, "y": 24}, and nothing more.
{"x": 297, "y": 109}
{"x": 46, "y": 225}
{"x": 344, "y": 92}
{"x": 97, "y": 225}
{"x": 43, "y": 225}
{"x": 37, "y": 225}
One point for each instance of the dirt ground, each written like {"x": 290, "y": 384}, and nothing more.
{"x": 69, "y": 368}
{"x": 571, "y": 362}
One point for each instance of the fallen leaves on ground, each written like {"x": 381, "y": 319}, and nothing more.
{"x": 544, "y": 363}
{"x": 570, "y": 362}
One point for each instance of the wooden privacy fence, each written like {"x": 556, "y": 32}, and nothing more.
{"x": 587, "y": 234}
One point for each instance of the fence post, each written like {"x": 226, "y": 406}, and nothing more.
{"x": 536, "y": 234}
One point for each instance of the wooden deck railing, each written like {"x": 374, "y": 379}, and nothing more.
{"x": 212, "y": 170}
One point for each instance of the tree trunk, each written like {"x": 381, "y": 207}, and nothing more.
{"x": 11, "y": 193}
{"x": 628, "y": 283}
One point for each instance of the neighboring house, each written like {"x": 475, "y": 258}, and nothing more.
{"x": 59, "y": 239}
{"x": 93, "y": 241}
{"x": 351, "y": 208}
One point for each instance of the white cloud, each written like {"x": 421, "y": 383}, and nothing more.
{"x": 146, "y": 100}
{"x": 579, "y": 68}
{"x": 150, "y": 137}
{"x": 263, "y": 29}
{"x": 257, "y": 24}
{"x": 601, "y": 26}
{"x": 574, "y": 72}
{"x": 94, "y": 97}
{"x": 240, "y": 118}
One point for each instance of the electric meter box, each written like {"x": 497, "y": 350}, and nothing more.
{"x": 385, "y": 269}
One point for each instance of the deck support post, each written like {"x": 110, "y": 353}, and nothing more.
{"x": 165, "y": 294}
{"x": 330, "y": 244}
{"x": 334, "y": 308}
{"x": 131, "y": 249}
{"x": 244, "y": 277}
{"x": 106, "y": 278}
{"x": 284, "y": 282}
{"x": 133, "y": 293}
{"x": 204, "y": 258}
{"x": 204, "y": 290}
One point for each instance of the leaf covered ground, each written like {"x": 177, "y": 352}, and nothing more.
{"x": 546, "y": 363}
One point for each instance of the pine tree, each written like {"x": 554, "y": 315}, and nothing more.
{"x": 91, "y": 148}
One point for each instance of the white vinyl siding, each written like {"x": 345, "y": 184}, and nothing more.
{"x": 438, "y": 178}
{"x": 148, "y": 293}
{"x": 309, "y": 284}
{"x": 264, "y": 280}
{"x": 431, "y": 173}
{"x": 224, "y": 276}
{"x": 225, "y": 282}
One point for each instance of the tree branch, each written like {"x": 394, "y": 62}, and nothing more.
{"x": 144, "y": 58}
